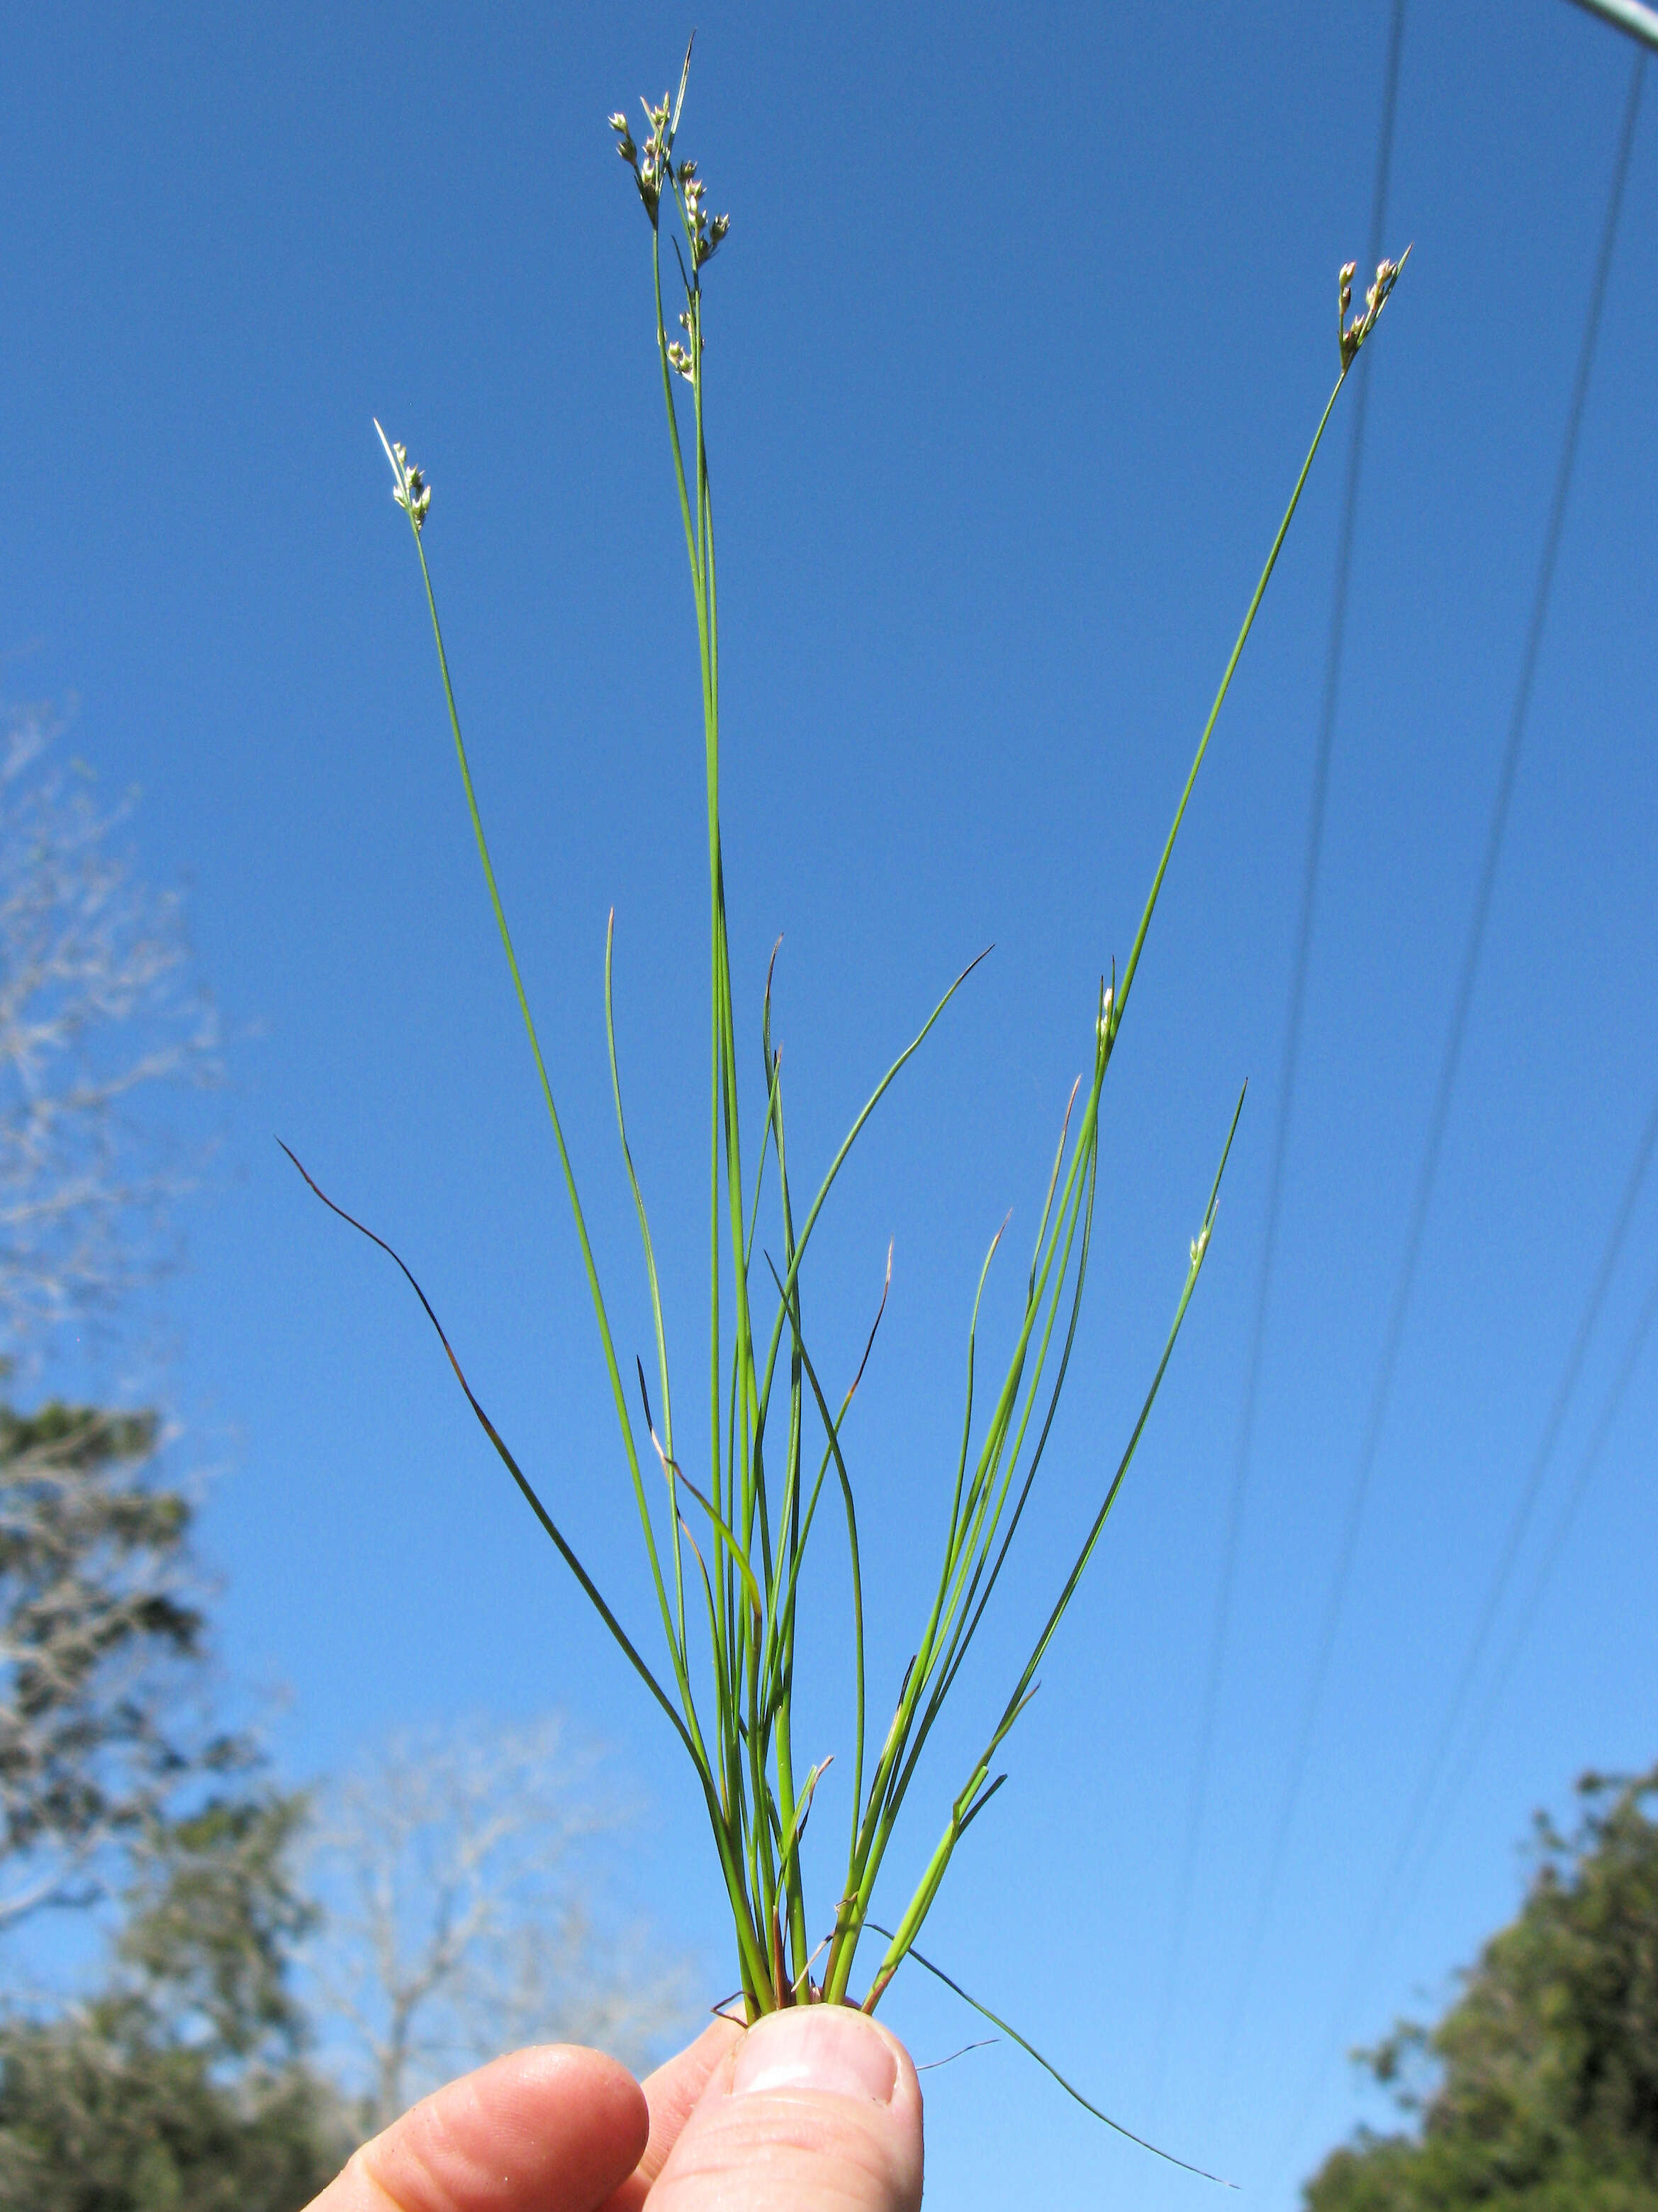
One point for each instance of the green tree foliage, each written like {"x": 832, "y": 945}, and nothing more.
{"x": 180, "y": 2088}
{"x": 213, "y": 1915}
{"x": 98, "y": 1638}
{"x": 1541, "y": 2081}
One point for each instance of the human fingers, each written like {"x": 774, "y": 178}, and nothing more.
{"x": 553, "y": 2129}
{"x": 815, "y": 2109}
{"x": 670, "y": 2092}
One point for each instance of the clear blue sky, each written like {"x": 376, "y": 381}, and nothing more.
{"x": 1024, "y": 320}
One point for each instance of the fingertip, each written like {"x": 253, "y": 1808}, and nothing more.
{"x": 672, "y": 2093}
{"x": 551, "y": 2129}
{"x": 696, "y": 2061}
{"x": 816, "y": 2107}
{"x": 833, "y": 2049}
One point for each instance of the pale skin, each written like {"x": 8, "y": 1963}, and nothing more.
{"x": 815, "y": 2109}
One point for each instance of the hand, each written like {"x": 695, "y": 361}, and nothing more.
{"x": 815, "y": 2109}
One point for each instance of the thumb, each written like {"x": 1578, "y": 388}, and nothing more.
{"x": 815, "y": 2110}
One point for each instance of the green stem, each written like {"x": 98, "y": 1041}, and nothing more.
{"x": 1133, "y": 961}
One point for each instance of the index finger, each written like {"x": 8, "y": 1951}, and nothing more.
{"x": 553, "y": 2129}
{"x": 670, "y": 2092}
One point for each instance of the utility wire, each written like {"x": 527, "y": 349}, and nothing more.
{"x": 1390, "y": 1905}
{"x": 1310, "y": 874}
{"x": 1429, "y": 1169}
{"x": 1517, "y": 1529}
{"x": 1527, "y": 1619}
{"x": 1518, "y": 1525}
{"x": 1611, "y": 1405}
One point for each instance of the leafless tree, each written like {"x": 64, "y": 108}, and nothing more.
{"x": 99, "y": 1632}
{"x": 458, "y": 1877}
{"x": 100, "y": 1021}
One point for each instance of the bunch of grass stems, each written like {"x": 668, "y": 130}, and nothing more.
{"x": 726, "y": 1551}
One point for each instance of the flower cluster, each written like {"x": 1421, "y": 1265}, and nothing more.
{"x": 1354, "y": 334}
{"x": 706, "y": 232}
{"x": 410, "y": 488}
{"x": 652, "y": 165}
{"x": 683, "y": 358}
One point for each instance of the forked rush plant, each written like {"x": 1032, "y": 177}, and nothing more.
{"x": 727, "y": 1518}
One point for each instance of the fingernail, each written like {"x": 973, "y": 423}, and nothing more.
{"x": 831, "y": 2047}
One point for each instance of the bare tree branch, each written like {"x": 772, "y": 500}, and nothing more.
{"x": 101, "y": 1017}
{"x": 458, "y": 1912}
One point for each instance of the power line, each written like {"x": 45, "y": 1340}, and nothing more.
{"x": 1611, "y": 1405}
{"x": 1322, "y": 748}
{"x": 1518, "y": 1525}
{"x": 1390, "y": 1906}
{"x": 1428, "y": 1171}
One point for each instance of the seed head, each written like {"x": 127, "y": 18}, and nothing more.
{"x": 412, "y": 493}
{"x": 1354, "y": 334}
{"x": 1199, "y": 1245}
{"x": 655, "y": 170}
{"x": 683, "y": 357}
{"x": 650, "y": 163}
{"x": 706, "y": 232}
{"x": 415, "y": 497}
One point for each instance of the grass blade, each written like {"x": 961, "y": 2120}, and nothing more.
{"x": 846, "y": 1144}
{"x": 517, "y": 1473}
{"x": 1048, "y": 2066}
